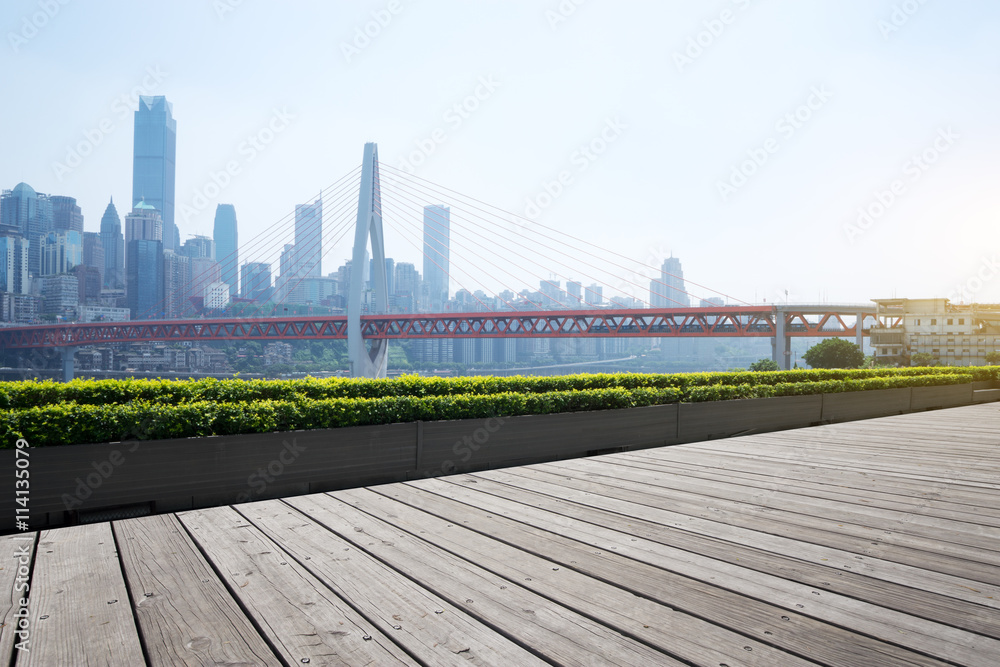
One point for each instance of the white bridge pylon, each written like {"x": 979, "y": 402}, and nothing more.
{"x": 368, "y": 361}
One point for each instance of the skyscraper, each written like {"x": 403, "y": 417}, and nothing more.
{"x": 114, "y": 247}
{"x": 669, "y": 290}
{"x": 199, "y": 246}
{"x": 93, "y": 253}
{"x": 66, "y": 215}
{"x": 255, "y": 281}
{"x": 13, "y": 264}
{"x": 31, "y": 213}
{"x": 61, "y": 251}
{"x": 308, "y": 252}
{"x": 143, "y": 223}
{"x": 437, "y": 243}
{"x": 227, "y": 245}
{"x": 144, "y": 279}
{"x": 153, "y": 161}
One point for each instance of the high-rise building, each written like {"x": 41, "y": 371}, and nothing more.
{"x": 154, "y": 161}
{"x": 308, "y": 253}
{"x": 144, "y": 223}
{"x": 669, "y": 290}
{"x": 61, "y": 251}
{"x": 437, "y": 243}
{"x": 594, "y": 295}
{"x": 31, "y": 214}
{"x": 199, "y": 246}
{"x": 13, "y": 264}
{"x": 144, "y": 279}
{"x": 61, "y": 294}
{"x": 204, "y": 272}
{"x": 574, "y": 290}
{"x": 176, "y": 284}
{"x": 113, "y": 242}
{"x": 93, "y": 253}
{"x": 227, "y": 244}
{"x": 66, "y": 215}
{"x": 255, "y": 281}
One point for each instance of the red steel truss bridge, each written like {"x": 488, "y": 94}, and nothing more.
{"x": 744, "y": 321}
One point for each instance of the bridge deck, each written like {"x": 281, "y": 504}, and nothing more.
{"x": 865, "y": 543}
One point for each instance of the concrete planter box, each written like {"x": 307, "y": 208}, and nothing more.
{"x": 948, "y": 396}
{"x": 82, "y": 483}
{"x": 478, "y": 444}
{"x": 852, "y": 405}
{"x": 722, "y": 419}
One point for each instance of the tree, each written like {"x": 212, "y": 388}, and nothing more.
{"x": 834, "y": 353}
{"x": 764, "y": 365}
{"x": 993, "y": 358}
{"x": 923, "y": 359}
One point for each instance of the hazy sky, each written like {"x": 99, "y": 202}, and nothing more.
{"x": 742, "y": 135}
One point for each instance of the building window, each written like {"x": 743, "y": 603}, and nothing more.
{"x": 961, "y": 320}
{"x": 933, "y": 322}
{"x": 935, "y": 351}
{"x": 918, "y": 323}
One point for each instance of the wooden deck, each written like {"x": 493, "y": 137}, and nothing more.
{"x": 866, "y": 543}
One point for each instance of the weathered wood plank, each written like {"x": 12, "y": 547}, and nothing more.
{"x": 834, "y": 557}
{"x": 302, "y": 619}
{"x": 694, "y": 581}
{"x": 16, "y": 552}
{"x": 550, "y": 630}
{"x": 79, "y": 608}
{"x": 429, "y": 627}
{"x": 665, "y": 627}
{"x": 907, "y": 599}
{"x": 185, "y": 613}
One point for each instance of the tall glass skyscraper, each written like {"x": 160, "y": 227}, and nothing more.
{"x": 31, "y": 213}
{"x": 153, "y": 162}
{"x": 66, "y": 215}
{"x": 437, "y": 254}
{"x": 114, "y": 247}
{"x": 227, "y": 245}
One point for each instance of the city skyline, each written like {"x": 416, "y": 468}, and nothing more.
{"x": 845, "y": 126}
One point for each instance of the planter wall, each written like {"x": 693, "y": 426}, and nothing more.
{"x": 82, "y": 483}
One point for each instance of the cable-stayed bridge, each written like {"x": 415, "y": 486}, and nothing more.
{"x": 367, "y": 327}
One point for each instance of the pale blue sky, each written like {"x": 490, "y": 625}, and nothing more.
{"x": 682, "y": 126}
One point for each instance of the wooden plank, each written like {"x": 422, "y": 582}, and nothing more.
{"x": 812, "y": 486}
{"x": 957, "y": 613}
{"x": 802, "y": 485}
{"x": 791, "y": 507}
{"x": 16, "y": 552}
{"x": 747, "y": 602}
{"x": 668, "y": 628}
{"x": 300, "y": 617}
{"x": 833, "y": 557}
{"x": 185, "y": 613}
{"x": 79, "y": 602}
{"x": 432, "y": 629}
{"x": 548, "y": 629}
{"x": 980, "y": 565}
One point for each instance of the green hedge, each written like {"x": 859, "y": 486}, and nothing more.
{"x": 193, "y": 416}
{"x": 74, "y": 423}
{"x": 27, "y": 394}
